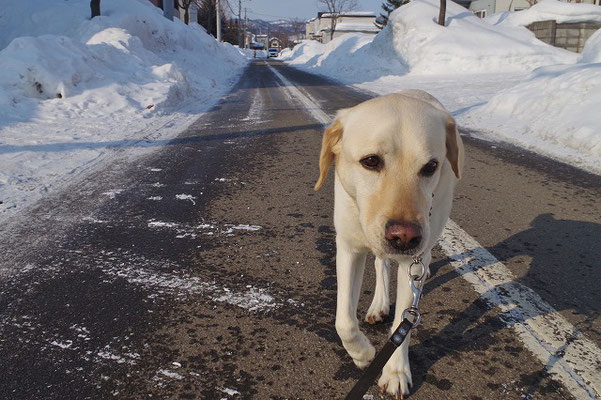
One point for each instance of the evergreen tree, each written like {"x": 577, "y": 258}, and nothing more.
{"x": 389, "y": 6}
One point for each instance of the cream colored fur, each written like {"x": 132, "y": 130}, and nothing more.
{"x": 406, "y": 130}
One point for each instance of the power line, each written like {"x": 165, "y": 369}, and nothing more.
{"x": 230, "y": 7}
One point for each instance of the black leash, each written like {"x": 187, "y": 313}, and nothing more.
{"x": 372, "y": 371}
{"x": 398, "y": 337}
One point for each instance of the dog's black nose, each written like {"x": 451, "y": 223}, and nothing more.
{"x": 403, "y": 235}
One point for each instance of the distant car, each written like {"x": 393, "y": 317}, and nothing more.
{"x": 272, "y": 52}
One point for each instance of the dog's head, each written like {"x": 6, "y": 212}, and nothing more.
{"x": 390, "y": 153}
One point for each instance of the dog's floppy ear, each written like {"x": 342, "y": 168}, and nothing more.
{"x": 454, "y": 147}
{"x": 329, "y": 149}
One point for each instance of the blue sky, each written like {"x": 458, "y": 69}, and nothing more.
{"x": 276, "y": 9}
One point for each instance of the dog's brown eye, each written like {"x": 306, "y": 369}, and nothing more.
{"x": 429, "y": 169}
{"x": 372, "y": 162}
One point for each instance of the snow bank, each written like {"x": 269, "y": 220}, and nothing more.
{"x": 127, "y": 59}
{"x": 466, "y": 43}
{"x": 546, "y": 10}
{"x": 350, "y": 58}
{"x": 71, "y": 87}
{"x": 555, "y": 112}
{"x": 414, "y": 42}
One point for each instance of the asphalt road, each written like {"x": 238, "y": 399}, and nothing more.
{"x": 206, "y": 268}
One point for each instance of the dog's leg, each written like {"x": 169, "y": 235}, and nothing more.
{"x": 350, "y": 265}
{"x": 396, "y": 375}
{"x": 380, "y": 305}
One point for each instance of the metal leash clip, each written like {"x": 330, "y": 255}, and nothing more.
{"x": 417, "y": 273}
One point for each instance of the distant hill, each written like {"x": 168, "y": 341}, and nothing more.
{"x": 280, "y": 26}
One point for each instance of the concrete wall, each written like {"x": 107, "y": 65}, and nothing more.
{"x": 495, "y": 6}
{"x": 567, "y": 36}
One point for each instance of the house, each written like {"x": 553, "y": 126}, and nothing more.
{"x": 486, "y": 8}
{"x": 320, "y": 28}
{"x": 263, "y": 40}
{"x": 275, "y": 43}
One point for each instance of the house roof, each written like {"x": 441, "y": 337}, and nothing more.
{"x": 351, "y": 14}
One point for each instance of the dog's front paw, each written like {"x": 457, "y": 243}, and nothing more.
{"x": 396, "y": 382}
{"x": 357, "y": 345}
{"x": 361, "y": 350}
{"x": 364, "y": 357}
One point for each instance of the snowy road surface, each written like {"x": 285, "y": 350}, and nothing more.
{"x": 206, "y": 270}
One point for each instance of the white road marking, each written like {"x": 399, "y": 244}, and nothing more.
{"x": 311, "y": 105}
{"x": 565, "y": 352}
{"x": 254, "y": 111}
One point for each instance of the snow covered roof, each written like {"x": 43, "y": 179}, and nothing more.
{"x": 351, "y": 14}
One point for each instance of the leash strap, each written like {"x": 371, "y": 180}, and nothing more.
{"x": 372, "y": 371}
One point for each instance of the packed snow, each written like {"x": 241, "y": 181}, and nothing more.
{"x": 72, "y": 90}
{"x": 495, "y": 77}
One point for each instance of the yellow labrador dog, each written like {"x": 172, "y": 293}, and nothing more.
{"x": 397, "y": 160}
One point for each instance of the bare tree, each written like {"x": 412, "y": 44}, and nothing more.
{"x": 95, "y": 8}
{"x": 297, "y": 26}
{"x": 335, "y": 8}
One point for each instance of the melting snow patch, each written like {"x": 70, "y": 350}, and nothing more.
{"x": 228, "y": 391}
{"x": 186, "y": 197}
{"x": 67, "y": 344}
{"x": 253, "y": 300}
{"x": 156, "y": 169}
{"x": 157, "y": 184}
{"x": 107, "y": 354}
{"x": 161, "y": 224}
{"x": 242, "y": 227}
{"x": 155, "y": 198}
{"x": 171, "y": 374}
{"x": 94, "y": 220}
{"x": 112, "y": 193}
{"x": 187, "y": 231}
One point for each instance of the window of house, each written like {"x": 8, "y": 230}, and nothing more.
{"x": 480, "y": 13}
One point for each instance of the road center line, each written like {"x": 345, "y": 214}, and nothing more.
{"x": 311, "y": 105}
{"x": 565, "y": 352}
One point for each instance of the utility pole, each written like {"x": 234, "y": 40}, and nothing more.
{"x": 245, "y": 25}
{"x": 217, "y": 8}
{"x": 240, "y": 37}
